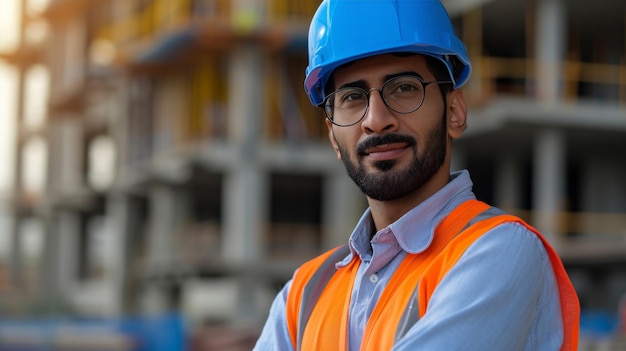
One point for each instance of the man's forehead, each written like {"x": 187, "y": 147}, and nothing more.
{"x": 376, "y": 68}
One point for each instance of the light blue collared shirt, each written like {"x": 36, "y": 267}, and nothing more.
{"x": 501, "y": 295}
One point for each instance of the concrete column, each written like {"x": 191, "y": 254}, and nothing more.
{"x": 168, "y": 207}
{"x": 15, "y": 260}
{"x": 126, "y": 225}
{"x": 507, "y": 183}
{"x": 60, "y": 260}
{"x": 245, "y": 184}
{"x": 117, "y": 213}
{"x": 154, "y": 300}
{"x": 245, "y": 216}
{"x": 65, "y": 160}
{"x": 473, "y": 39}
{"x": 343, "y": 206}
{"x": 602, "y": 184}
{"x": 551, "y": 39}
{"x": 246, "y": 199}
{"x": 459, "y": 158}
{"x": 549, "y": 182}
{"x": 245, "y": 219}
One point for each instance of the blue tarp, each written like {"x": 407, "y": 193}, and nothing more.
{"x": 154, "y": 333}
{"x": 598, "y": 324}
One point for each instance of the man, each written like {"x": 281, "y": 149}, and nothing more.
{"x": 428, "y": 267}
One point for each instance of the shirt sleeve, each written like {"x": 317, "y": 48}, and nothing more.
{"x": 275, "y": 334}
{"x": 501, "y": 295}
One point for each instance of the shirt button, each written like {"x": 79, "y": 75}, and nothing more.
{"x": 374, "y": 278}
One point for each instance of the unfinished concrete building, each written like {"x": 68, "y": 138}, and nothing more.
{"x": 186, "y": 169}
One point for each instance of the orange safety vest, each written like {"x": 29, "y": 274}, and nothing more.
{"x": 318, "y": 301}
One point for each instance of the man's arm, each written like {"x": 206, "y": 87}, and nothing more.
{"x": 501, "y": 295}
{"x": 275, "y": 335}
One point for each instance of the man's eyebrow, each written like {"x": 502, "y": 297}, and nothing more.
{"x": 400, "y": 74}
{"x": 356, "y": 84}
{"x": 363, "y": 84}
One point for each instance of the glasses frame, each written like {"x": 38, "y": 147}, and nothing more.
{"x": 367, "y": 93}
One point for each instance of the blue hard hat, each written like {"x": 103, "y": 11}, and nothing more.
{"x": 346, "y": 30}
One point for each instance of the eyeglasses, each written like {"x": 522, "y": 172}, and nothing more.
{"x": 403, "y": 94}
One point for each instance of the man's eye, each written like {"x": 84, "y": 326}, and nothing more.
{"x": 403, "y": 87}
{"x": 407, "y": 87}
{"x": 354, "y": 96}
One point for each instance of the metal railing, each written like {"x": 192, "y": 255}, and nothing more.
{"x": 579, "y": 80}
{"x": 608, "y": 226}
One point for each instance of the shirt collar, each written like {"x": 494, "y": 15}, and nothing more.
{"x": 414, "y": 231}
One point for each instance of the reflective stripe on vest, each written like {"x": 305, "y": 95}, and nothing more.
{"x": 319, "y": 297}
{"x": 411, "y": 313}
{"x": 316, "y": 284}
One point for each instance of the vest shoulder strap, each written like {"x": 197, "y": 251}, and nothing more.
{"x": 307, "y": 284}
{"x": 570, "y": 307}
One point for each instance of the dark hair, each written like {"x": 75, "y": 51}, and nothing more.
{"x": 441, "y": 73}
{"x": 438, "y": 70}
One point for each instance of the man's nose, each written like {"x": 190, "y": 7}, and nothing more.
{"x": 378, "y": 117}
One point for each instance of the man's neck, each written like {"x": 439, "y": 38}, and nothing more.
{"x": 385, "y": 213}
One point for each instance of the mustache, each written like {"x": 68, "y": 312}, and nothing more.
{"x": 378, "y": 140}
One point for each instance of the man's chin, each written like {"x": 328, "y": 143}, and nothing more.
{"x": 384, "y": 166}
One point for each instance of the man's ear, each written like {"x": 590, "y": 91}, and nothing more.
{"x": 456, "y": 114}
{"x": 333, "y": 140}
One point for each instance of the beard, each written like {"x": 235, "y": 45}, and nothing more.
{"x": 388, "y": 183}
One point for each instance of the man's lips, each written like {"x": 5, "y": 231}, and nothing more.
{"x": 385, "y": 151}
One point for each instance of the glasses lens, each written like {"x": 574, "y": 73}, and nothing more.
{"x": 404, "y": 94}
{"x": 346, "y": 106}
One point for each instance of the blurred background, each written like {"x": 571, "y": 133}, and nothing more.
{"x": 163, "y": 172}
